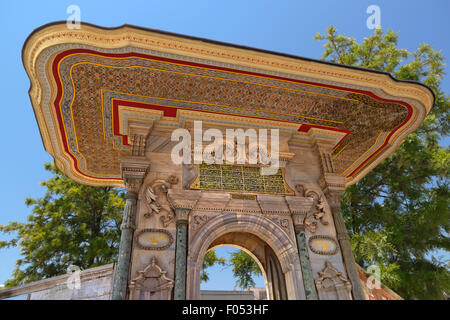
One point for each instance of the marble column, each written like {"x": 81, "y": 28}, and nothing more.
{"x": 334, "y": 201}
{"x": 305, "y": 263}
{"x": 299, "y": 207}
{"x": 122, "y": 269}
{"x": 134, "y": 169}
{"x": 333, "y": 186}
{"x": 181, "y": 220}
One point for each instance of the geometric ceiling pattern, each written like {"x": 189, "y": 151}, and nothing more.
{"x": 83, "y": 80}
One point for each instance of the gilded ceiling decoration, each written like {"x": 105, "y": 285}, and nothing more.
{"x": 80, "y": 80}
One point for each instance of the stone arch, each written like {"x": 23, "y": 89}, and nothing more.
{"x": 254, "y": 257}
{"x": 283, "y": 246}
{"x": 247, "y": 242}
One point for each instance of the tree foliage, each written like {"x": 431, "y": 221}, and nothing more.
{"x": 72, "y": 224}
{"x": 397, "y": 215}
{"x": 244, "y": 268}
{"x": 210, "y": 259}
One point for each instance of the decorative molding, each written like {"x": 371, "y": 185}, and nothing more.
{"x": 325, "y": 159}
{"x": 299, "y": 208}
{"x": 331, "y": 182}
{"x": 240, "y": 196}
{"x": 138, "y": 131}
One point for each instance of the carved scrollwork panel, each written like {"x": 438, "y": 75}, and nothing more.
{"x": 157, "y": 202}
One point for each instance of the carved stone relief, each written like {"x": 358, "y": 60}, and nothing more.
{"x": 316, "y": 214}
{"x": 199, "y": 220}
{"x": 282, "y": 222}
{"x": 151, "y": 284}
{"x": 157, "y": 202}
{"x": 332, "y": 285}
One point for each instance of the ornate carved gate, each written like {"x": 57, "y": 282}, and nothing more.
{"x": 107, "y": 102}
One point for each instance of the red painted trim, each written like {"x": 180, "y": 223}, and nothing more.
{"x": 62, "y": 55}
{"x": 172, "y": 112}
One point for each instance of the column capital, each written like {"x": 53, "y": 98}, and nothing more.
{"x": 331, "y": 183}
{"x": 299, "y": 208}
{"x": 182, "y": 215}
{"x": 134, "y": 170}
{"x": 182, "y": 201}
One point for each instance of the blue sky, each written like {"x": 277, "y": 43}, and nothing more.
{"x": 284, "y": 26}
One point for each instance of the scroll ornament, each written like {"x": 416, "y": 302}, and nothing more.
{"x": 157, "y": 202}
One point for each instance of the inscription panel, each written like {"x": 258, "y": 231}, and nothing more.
{"x": 240, "y": 178}
{"x": 153, "y": 239}
{"x": 322, "y": 244}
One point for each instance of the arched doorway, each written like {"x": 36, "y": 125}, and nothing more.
{"x": 271, "y": 247}
{"x": 241, "y": 277}
{"x": 264, "y": 256}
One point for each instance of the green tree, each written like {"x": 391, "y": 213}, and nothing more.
{"x": 209, "y": 260}
{"x": 397, "y": 215}
{"x": 72, "y": 224}
{"x": 244, "y": 268}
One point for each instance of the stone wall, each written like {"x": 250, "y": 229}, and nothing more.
{"x": 94, "y": 284}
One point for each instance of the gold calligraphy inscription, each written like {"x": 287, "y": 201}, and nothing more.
{"x": 240, "y": 178}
